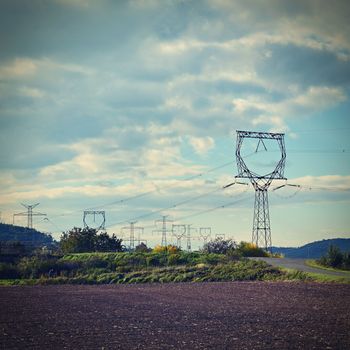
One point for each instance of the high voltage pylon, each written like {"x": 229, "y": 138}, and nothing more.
{"x": 188, "y": 236}
{"x": 133, "y": 230}
{"x": 261, "y": 234}
{"x": 164, "y": 229}
{"x": 205, "y": 233}
{"x": 94, "y": 213}
{"x": 178, "y": 231}
{"x": 29, "y": 214}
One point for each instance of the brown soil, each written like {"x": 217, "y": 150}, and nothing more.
{"x": 237, "y": 315}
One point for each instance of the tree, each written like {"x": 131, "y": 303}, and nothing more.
{"x": 142, "y": 248}
{"x": 219, "y": 246}
{"x": 80, "y": 240}
{"x": 334, "y": 256}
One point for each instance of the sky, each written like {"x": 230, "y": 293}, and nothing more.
{"x": 131, "y": 107}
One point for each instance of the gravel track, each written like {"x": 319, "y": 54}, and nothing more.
{"x": 232, "y": 315}
{"x": 300, "y": 264}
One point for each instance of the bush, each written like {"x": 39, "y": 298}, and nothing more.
{"x": 96, "y": 262}
{"x": 175, "y": 259}
{"x": 213, "y": 259}
{"x": 129, "y": 261}
{"x": 35, "y": 266}
{"x": 251, "y": 250}
{"x": 142, "y": 248}
{"x": 219, "y": 246}
{"x": 346, "y": 261}
{"x": 171, "y": 249}
{"x": 234, "y": 255}
{"x": 8, "y": 271}
{"x": 153, "y": 260}
{"x": 335, "y": 258}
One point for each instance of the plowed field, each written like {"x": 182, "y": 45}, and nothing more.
{"x": 237, "y": 315}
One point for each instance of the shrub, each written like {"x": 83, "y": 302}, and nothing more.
{"x": 334, "y": 256}
{"x": 34, "y": 267}
{"x": 233, "y": 255}
{"x": 346, "y": 260}
{"x": 171, "y": 249}
{"x": 8, "y": 271}
{"x": 213, "y": 259}
{"x": 250, "y": 249}
{"x": 153, "y": 260}
{"x": 175, "y": 259}
{"x": 219, "y": 246}
{"x": 96, "y": 262}
{"x": 142, "y": 248}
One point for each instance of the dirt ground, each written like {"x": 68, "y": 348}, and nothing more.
{"x": 237, "y": 315}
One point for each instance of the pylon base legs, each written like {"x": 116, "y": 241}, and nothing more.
{"x": 261, "y": 235}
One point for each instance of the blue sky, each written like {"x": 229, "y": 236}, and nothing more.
{"x": 103, "y": 100}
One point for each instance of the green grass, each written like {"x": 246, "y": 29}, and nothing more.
{"x": 291, "y": 274}
{"x": 314, "y": 263}
{"x": 245, "y": 270}
{"x": 17, "y": 282}
{"x": 131, "y": 268}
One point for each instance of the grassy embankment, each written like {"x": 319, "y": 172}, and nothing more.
{"x": 319, "y": 277}
{"x": 130, "y": 268}
{"x": 314, "y": 263}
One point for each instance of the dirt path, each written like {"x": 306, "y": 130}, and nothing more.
{"x": 237, "y": 315}
{"x": 300, "y": 264}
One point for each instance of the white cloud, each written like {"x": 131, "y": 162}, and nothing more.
{"x": 319, "y": 97}
{"x": 331, "y": 183}
{"x": 31, "y": 92}
{"x": 277, "y": 114}
{"x": 28, "y": 68}
{"x": 202, "y": 144}
{"x": 19, "y": 67}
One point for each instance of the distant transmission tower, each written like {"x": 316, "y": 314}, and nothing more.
{"x": 132, "y": 230}
{"x": 261, "y": 234}
{"x": 29, "y": 214}
{"x": 178, "y": 231}
{"x": 164, "y": 229}
{"x": 94, "y": 213}
{"x": 205, "y": 233}
{"x": 188, "y": 236}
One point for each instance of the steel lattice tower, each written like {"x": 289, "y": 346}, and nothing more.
{"x": 29, "y": 214}
{"x": 261, "y": 235}
{"x": 164, "y": 229}
{"x": 94, "y": 213}
{"x": 205, "y": 233}
{"x": 178, "y": 232}
{"x": 132, "y": 230}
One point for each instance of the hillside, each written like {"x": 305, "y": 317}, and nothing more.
{"x": 24, "y": 235}
{"x": 314, "y": 250}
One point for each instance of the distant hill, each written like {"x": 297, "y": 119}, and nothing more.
{"x": 314, "y": 250}
{"x": 24, "y": 235}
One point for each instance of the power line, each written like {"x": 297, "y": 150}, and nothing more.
{"x": 192, "y": 177}
{"x": 223, "y": 206}
{"x": 173, "y": 206}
